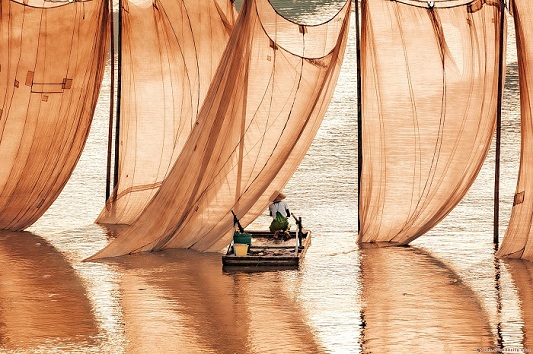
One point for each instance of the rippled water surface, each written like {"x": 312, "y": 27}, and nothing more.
{"x": 445, "y": 293}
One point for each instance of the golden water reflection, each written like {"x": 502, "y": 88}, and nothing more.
{"x": 412, "y": 300}
{"x": 42, "y": 300}
{"x": 180, "y": 300}
{"x": 522, "y": 275}
{"x": 183, "y": 302}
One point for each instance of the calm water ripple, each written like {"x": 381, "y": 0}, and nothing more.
{"x": 445, "y": 293}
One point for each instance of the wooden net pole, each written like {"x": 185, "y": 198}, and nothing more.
{"x": 359, "y": 113}
{"x": 119, "y": 87}
{"x": 111, "y": 101}
{"x": 499, "y": 128}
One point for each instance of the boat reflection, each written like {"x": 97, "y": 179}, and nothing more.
{"x": 522, "y": 274}
{"x": 42, "y": 298}
{"x": 181, "y": 299}
{"x": 412, "y": 302}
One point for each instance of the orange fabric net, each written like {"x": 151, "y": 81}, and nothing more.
{"x": 430, "y": 80}
{"x": 51, "y": 66}
{"x": 518, "y": 240}
{"x": 266, "y": 102}
{"x": 170, "y": 51}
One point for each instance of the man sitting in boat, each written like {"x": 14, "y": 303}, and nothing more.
{"x": 279, "y": 210}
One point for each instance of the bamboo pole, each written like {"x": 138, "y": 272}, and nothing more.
{"x": 359, "y": 112}
{"x": 111, "y": 102}
{"x": 119, "y": 89}
{"x": 498, "y": 129}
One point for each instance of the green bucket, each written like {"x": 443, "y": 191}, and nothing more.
{"x": 244, "y": 238}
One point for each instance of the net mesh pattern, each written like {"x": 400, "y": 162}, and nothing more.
{"x": 51, "y": 67}
{"x": 429, "y": 102}
{"x": 260, "y": 115}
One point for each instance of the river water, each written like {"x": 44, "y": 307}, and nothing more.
{"x": 445, "y": 293}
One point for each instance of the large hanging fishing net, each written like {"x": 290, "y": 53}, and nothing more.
{"x": 51, "y": 66}
{"x": 170, "y": 52}
{"x": 430, "y": 91}
{"x": 264, "y": 106}
{"x": 518, "y": 240}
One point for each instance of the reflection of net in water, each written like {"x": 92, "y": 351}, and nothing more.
{"x": 413, "y": 300}
{"x": 47, "y": 304}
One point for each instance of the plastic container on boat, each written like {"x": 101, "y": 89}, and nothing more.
{"x": 242, "y": 238}
{"x": 241, "y": 249}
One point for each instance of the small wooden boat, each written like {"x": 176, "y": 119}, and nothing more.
{"x": 267, "y": 251}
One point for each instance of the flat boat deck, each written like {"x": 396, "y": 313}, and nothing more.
{"x": 269, "y": 252}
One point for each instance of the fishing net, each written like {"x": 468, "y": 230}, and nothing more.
{"x": 266, "y": 102}
{"x": 51, "y": 67}
{"x": 170, "y": 52}
{"x": 429, "y": 101}
{"x": 518, "y": 240}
